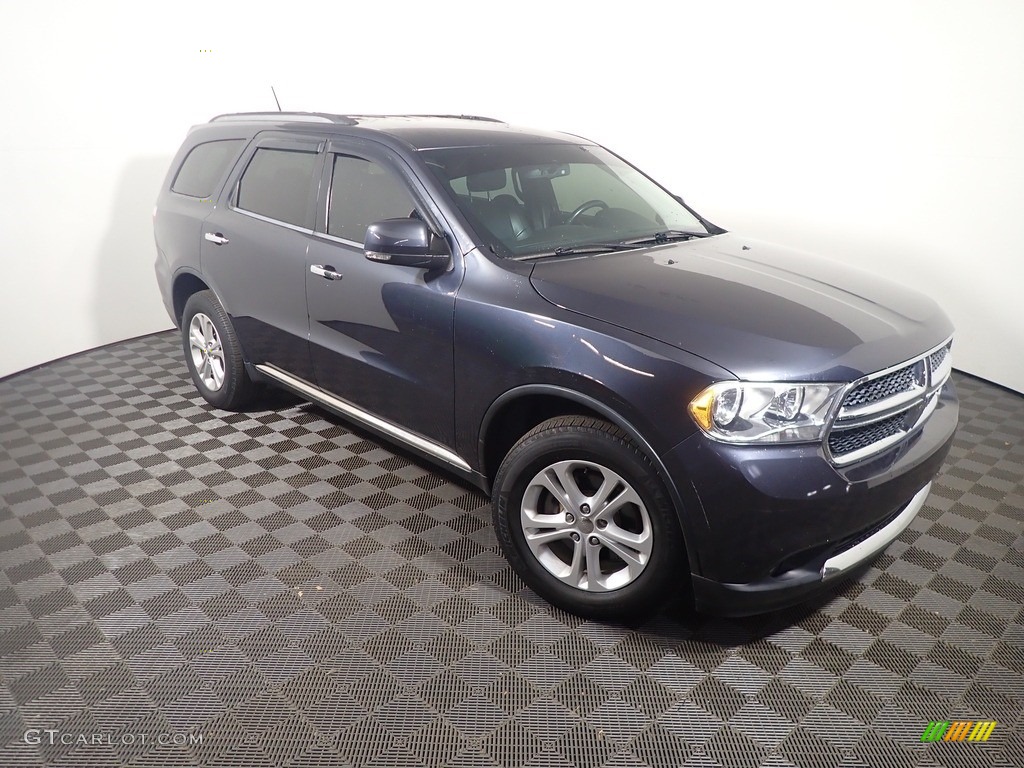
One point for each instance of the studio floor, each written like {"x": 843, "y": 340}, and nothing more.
{"x": 184, "y": 586}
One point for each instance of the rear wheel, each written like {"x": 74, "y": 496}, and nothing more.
{"x": 583, "y": 518}
{"x": 213, "y": 354}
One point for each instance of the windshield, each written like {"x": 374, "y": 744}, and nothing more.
{"x": 535, "y": 199}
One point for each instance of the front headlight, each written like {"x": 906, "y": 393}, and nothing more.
{"x": 746, "y": 412}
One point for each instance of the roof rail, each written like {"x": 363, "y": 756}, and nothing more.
{"x": 282, "y": 117}
{"x": 464, "y": 117}
{"x": 323, "y": 117}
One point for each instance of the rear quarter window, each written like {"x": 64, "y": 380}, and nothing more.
{"x": 204, "y": 167}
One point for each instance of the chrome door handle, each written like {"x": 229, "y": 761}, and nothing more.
{"x": 325, "y": 271}
{"x": 216, "y": 238}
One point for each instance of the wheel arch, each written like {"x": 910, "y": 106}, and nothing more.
{"x": 518, "y": 410}
{"x": 185, "y": 285}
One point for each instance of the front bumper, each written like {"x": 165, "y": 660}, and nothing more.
{"x": 801, "y": 583}
{"x": 771, "y": 526}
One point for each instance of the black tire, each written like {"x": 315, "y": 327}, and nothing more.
{"x": 235, "y": 390}
{"x": 596, "y": 445}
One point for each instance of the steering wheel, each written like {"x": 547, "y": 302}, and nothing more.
{"x": 586, "y": 207}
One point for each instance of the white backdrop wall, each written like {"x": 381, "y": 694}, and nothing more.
{"x": 886, "y": 133}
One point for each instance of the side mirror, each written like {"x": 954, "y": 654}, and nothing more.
{"x": 406, "y": 243}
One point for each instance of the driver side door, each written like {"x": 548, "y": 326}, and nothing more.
{"x": 381, "y": 335}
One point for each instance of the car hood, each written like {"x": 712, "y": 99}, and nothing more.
{"x": 759, "y": 310}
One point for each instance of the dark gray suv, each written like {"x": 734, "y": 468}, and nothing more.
{"x": 655, "y": 405}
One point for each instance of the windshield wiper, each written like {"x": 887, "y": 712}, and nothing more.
{"x": 576, "y": 250}
{"x": 668, "y": 235}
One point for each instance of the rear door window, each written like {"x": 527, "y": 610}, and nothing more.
{"x": 277, "y": 184}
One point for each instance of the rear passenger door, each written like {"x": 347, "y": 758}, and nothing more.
{"x": 254, "y": 249}
{"x": 380, "y": 335}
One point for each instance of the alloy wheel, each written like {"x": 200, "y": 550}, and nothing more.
{"x": 207, "y": 351}
{"x": 586, "y": 526}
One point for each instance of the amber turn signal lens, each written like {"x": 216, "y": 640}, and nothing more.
{"x": 700, "y": 408}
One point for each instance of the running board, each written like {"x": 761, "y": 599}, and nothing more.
{"x": 365, "y": 418}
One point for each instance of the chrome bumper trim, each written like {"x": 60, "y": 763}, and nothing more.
{"x": 875, "y": 543}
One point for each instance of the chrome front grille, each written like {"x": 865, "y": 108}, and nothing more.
{"x": 935, "y": 359}
{"x": 881, "y": 409}
{"x": 879, "y": 389}
{"x": 847, "y": 441}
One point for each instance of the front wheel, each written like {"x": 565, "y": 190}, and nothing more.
{"x": 585, "y": 521}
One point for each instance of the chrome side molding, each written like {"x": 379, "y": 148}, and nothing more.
{"x": 366, "y": 418}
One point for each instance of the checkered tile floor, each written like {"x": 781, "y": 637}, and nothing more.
{"x": 182, "y": 586}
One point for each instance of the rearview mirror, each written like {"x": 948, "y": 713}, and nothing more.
{"x": 405, "y": 243}
{"x": 549, "y": 171}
